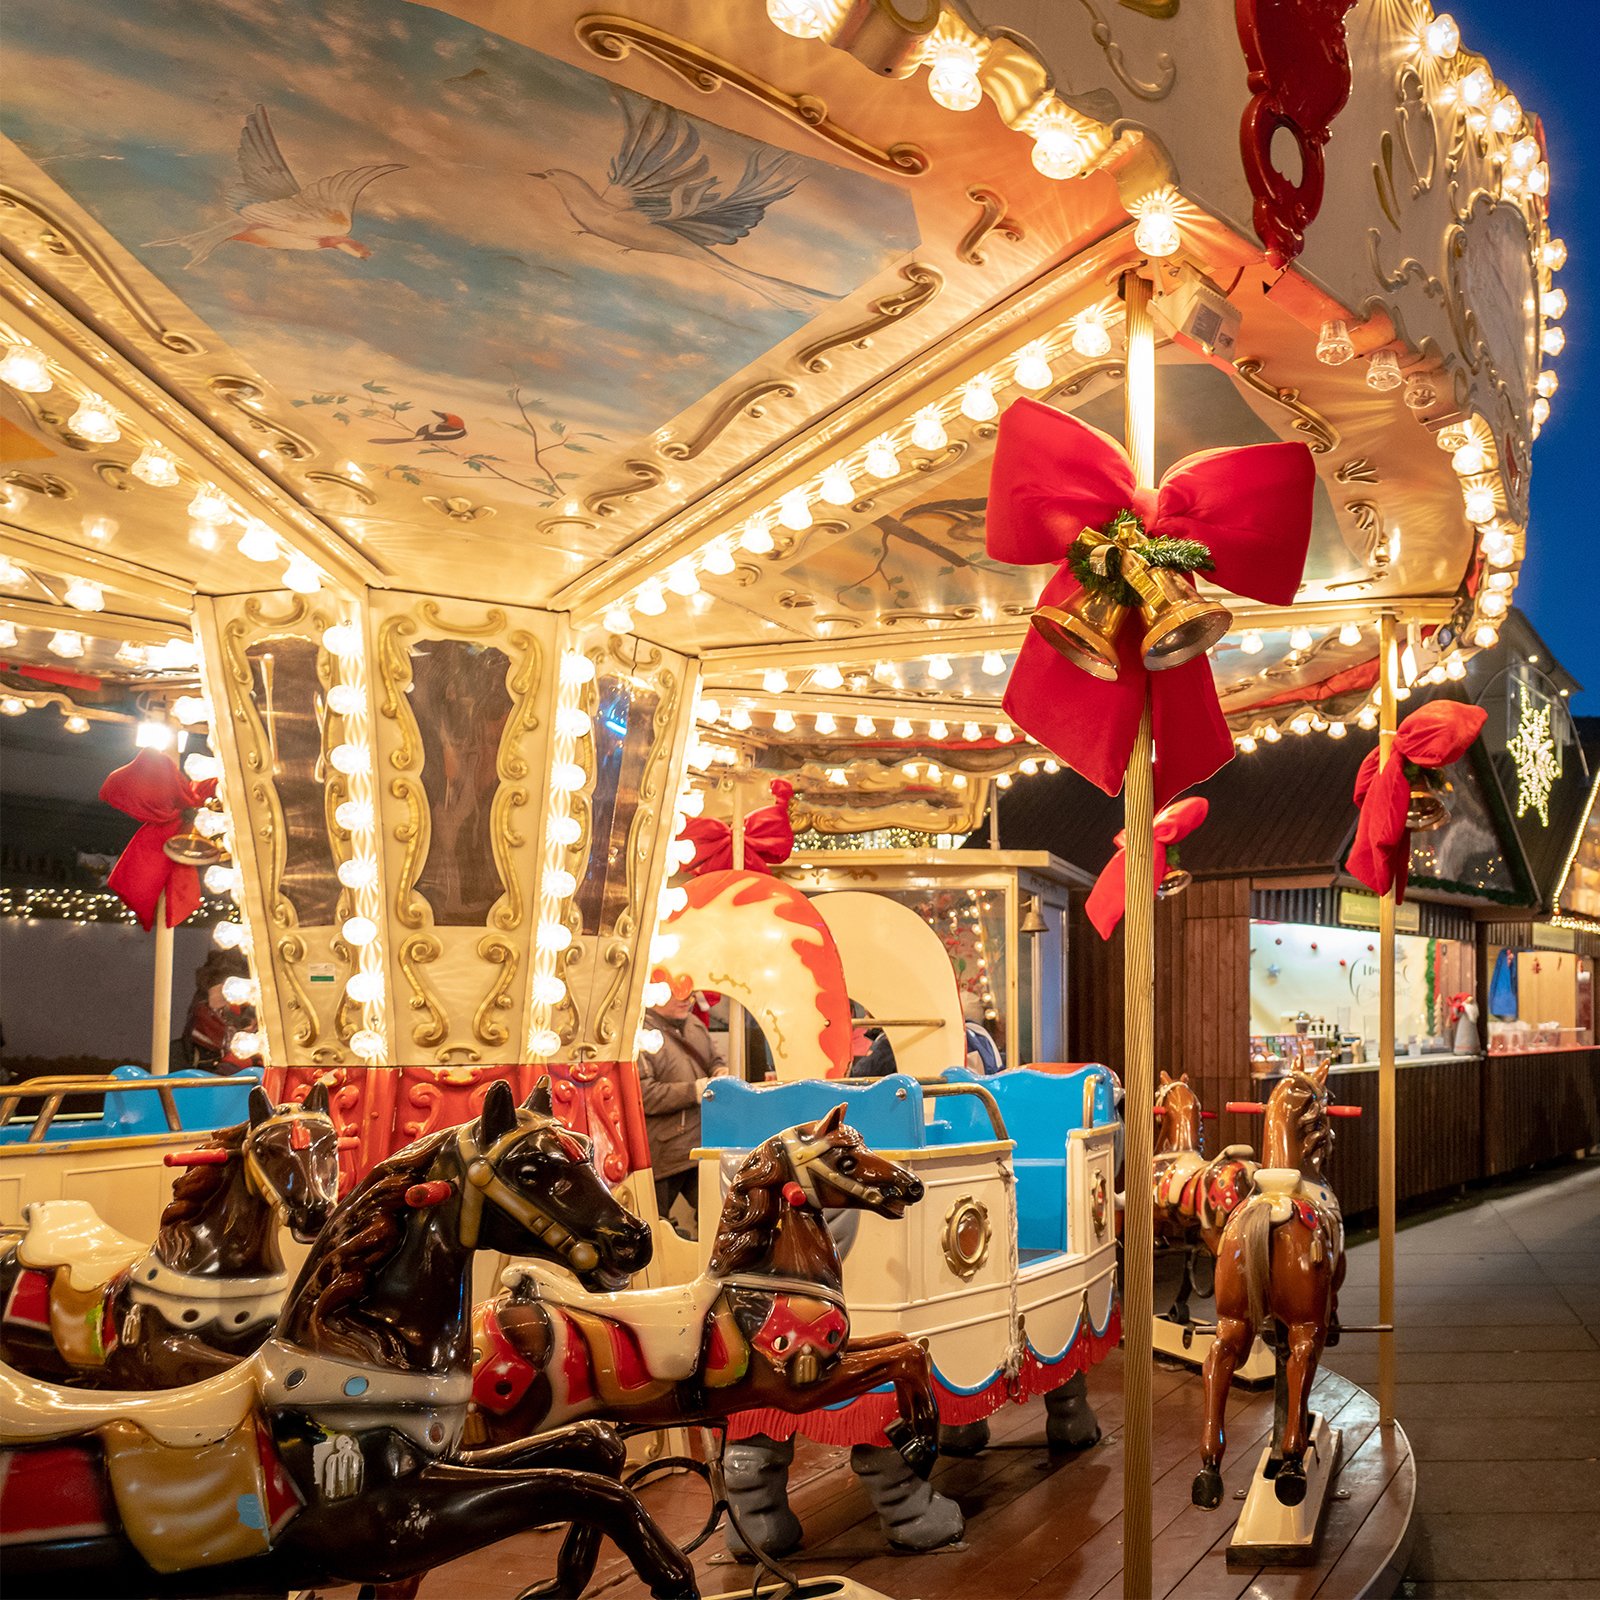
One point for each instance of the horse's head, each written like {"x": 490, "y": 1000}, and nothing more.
{"x": 291, "y": 1159}
{"x": 529, "y": 1188}
{"x": 1179, "y": 1106}
{"x": 833, "y": 1168}
{"x": 1297, "y": 1132}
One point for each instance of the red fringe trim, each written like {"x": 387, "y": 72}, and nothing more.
{"x": 864, "y": 1419}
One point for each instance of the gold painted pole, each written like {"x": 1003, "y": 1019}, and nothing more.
{"x": 1139, "y": 1004}
{"x": 1386, "y": 1068}
{"x": 161, "y": 992}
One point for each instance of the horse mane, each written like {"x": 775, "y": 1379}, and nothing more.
{"x": 358, "y": 1243}
{"x": 1312, "y": 1121}
{"x": 198, "y": 1187}
{"x": 750, "y": 1210}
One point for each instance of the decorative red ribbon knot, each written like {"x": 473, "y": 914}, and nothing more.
{"x": 1053, "y": 478}
{"x": 1432, "y": 736}
{"x": 153, "y": 790}
{"x": 1109, "y": 897}
{"x": 768, "y": 837}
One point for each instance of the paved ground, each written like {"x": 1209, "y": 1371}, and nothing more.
{"x": 1498, "y": 1386}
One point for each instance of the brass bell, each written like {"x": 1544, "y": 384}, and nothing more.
{"x": 192, "y": 847}
{"x": 1032, "y": 916}
{"x": 1173, "y": 882}
{"x": 1179, "y": 624}
{"x": 1084, "y": 630}
{"x": 1425, "y": 811}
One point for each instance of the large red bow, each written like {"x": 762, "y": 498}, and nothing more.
{"x": 1433, "y": 736}
{"x": 768, "y": 837}
{"x": 152, "y": 789}
{"x": 1054, "y": 476}
{"x": 1109, "y": 897}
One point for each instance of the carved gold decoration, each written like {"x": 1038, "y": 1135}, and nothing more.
{"x": 1080, "y": 380}
{"x": 1166, "y": 68}
{"x": 114, "y": 475}
{"x": 1321, "y": 434}
{"x": 486, "y": 1025}
{"x": 336, "y": 492}
{"x": 457, "y": 507}
{"x": 613, "y": 38}
{"x": 1412, "y": 105}
{"x": 967, "y": 1232}
{"x": 992, "y": 219}
{"x": 603, "y": 502}
{"x": 1358, "y": 469}
{"x": 746, "y": 402}
{"x": 925, "y": 283}
{"x": 1160, "y": 10}
{"x": 417, "y": 951}
{"x": 61, "y": 240}
{"x": 1097, "y": 1212}
{"x": 511, "y": 767}
{"x": 42, "y": 483}
{"x": 291, "y": 952}
{"x": 245, "y": 397}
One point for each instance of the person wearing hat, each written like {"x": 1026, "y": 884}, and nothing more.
{"x": 672, "y": 1078}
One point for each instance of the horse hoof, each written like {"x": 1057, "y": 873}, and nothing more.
{"x": 918, "y": 1451}
{"x": 1207, "y": 1489}
{"x": 1290, "y": 1484}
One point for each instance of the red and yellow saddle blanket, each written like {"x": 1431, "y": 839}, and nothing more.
{"x": 80, "y": 1322}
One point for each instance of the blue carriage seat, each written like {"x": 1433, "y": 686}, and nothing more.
{"x": 199, "y": 1110}
{"x": 886, "y": 1112}
{"x": 1040, "y": 1110}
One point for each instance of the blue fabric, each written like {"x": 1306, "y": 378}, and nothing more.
{"x": 1503, "y": 986}
{"x": 887, "y": 1112}
{"x": 981, "y": 1044}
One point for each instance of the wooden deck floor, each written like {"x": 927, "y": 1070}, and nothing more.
{"x": 1037, "y": 1525}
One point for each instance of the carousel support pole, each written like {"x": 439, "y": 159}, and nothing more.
{"x": 1138, "y": 1021}
{"x": 738, "y": 1042}
{"x": 1386, "y": 1067}
{"x": 161, "y": 996}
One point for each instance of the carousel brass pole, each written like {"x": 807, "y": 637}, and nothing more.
{"x": 1138, "y": 1270}
{"x": 161, "y": 992}
{"x": 1386, "y": 1068}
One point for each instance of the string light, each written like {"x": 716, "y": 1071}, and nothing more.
{"x": 865, "y": 726}
{"x": 25, "y": 368}
{"x": 794, "y": 512}
{"x": 66, "y": 644}
{"x": 1033, "y": 366}
{"x": 1350, "y": 634}
{"x": 210, "y": 504}
{"x": 156, "y": 466}
{"x": 824, "y": 722}
{"x": 718, "y": 558}
{"x": 95, "y": 421}
{"x": 82, "y": 595}
{"x": 1090, "y": 336}
{"x": 828, "y": 677}
{"x": 993, "y": 664}
{"x": 928, "y": 430}
{"x": 882, "y": 461}
{"x": 836, "y": 487}
{"x": 756, "y": 537}
{"x": 978, "y": 401}
{"x": 1441, "y": 38}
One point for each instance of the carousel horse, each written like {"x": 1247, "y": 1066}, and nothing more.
{"x": 1193, "y": 1197}
{"x": 85, "y": 1305}
{"x": 765, "y": 1325}
{"x": 333, "y": 1454}
{"x": 1280, "y": 1263}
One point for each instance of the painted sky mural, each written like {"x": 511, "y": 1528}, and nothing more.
{"x": 469, "y": 260}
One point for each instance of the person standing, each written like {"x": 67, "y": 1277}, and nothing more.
{"x": 671, "y": 1081}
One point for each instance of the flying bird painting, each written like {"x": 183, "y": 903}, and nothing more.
{"x": 662, "y": 198}
{"x": 274, "y": 210}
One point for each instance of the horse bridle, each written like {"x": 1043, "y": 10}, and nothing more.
{"x": 483, "y": 1183}
{"x": 803, "y": 1154}
{"x": 256, "y": 1176}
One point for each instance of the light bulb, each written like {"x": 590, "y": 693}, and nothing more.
{"x": 1480, "y": 505}
{"x": 1336, "y": 730}
{"x": 1553, "y": 254}
{"x": 301, "y": 575}
{"x": 364, "y": 987}
{"x": 1421, "y": 392}
{"x": 544, "y": 1042}
{"x": 1476, "y": 89}
{"x": 1003, "y": 781}
{"x": 1250, "y": 642}
{"x": 572, "y": 722}
{"x": 1502, "y": 553}
{"x": 1455, "y": 669}
{"x": 774, "y": 680}
{"x": 557, "y": 883}
{"x": 1553, "y": 340}
{"x": 828, "y": 677}
{"x": 1271, "y": 734}
{"x": 1502, "y": 581}
{"x": 565, "y": 831}
{"x": 191, "y": 709}
{"x": 1350, "y": 633}
{"x": 717, "y": 558}
{"x": 100, "y": 529}
{"x": 682, "y": 579}
{"x": 359, "y": 930}
{"x": 354, "y": 816}
{"x": 618, "y": 619}
{"x": 1004, "y": 733}
{"x": 11, "y": 706}
{"x": 210, "y": 504}
{"x": 657, "y": 993}
{"x": 1300, "y": 724}
{"x": 755, "y": 537}
{"x": 953, "y": 75}
{"x": 673, "y": 901}
{"x": 75, "y": 724}
{"x": 836, "y": 777}
{"x": 1383, "y": 370}
{"x": 1299, "y": 638}
{"x": 10, "y": 573}
{"x": 794, "y": 512}
{"x": 927, "y": 430}
{"x": 240, "y": 991}
{"x": 1506, "y": 115}
{"x": 1539, "y": 184}
{"x": 95, "y": 421}
{"x": 244, "y": 1043}
{"x": 66, "y": 644}
{"x": 576, "y": 669}
{"x": 865, "y": 726}
{"x": 1547, "y": 383}
{"x": 566, "y": 777}
{"x": 213, "y": 824}
{"x": 824, "y": 722}
{"x": 1523, "y": 154}
{"x": 1246, "y": 743}
{"x": 1541, "y": 412}
{"x": 881, "y": 460}
{"x": 1441, "y": 38}
{"x": 739, "y": 719}
{"x": 82, "y": 595}
{"x": 350, "y": 758}
{"x": 783, "y": 721}
{"x": 8, "y": 636}
{"x": 368, "y": 1043}
{"x": 978, "y": 401}
{"x": 1157, "y": 232}
{"x": 901, "y": 728}
{"x": 1058, "y": 151}
{"x": 13, "y": 498}
{"x": 548, "y": 989}
{"x": 647, "y": 1040}
{"x": 938, "y": 730}
{"x": 221, "y": 880}
{"x": 1492, "y": 603}
{"x": 1334, "y": 345}
{"x": 994, "y": 664}
{"x": 1469, "y": 460}
{"x": 1486, "y": 636}
{"x": 343, "y": 639}
{"x": 25, "y": 368}
{"x": 970, "y": 731}
{"x": 345, "y": 700}
{"x": 801, "y": 19}
{"x": 650, "y": 600}
{"x": 230, "y": 935}
{"x": 836, "y": 487}
{"x": 939, "y": 667}
{"x": 359, "y": 872}
{"x": 157, "y": 466}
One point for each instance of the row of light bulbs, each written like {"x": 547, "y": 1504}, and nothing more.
{"x": 664, "y": 944}
{"x": 741, "y": 719}
{"x": 1088, "y": 333}
{"x": 27, "y": 369}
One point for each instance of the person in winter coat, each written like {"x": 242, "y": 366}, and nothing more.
{"x": 671, "y": 1081}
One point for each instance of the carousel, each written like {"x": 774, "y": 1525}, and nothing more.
{"x": 545, "y": 517}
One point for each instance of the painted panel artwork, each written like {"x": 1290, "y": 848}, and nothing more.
{"x": 467, "y": 261}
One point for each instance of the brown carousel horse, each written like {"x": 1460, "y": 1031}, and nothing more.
{"x": 1279, "y": 1265}
{"x": 333, "y": 1454}
{"x": 84, "y": 1305}
{"x": 765, "y": 1326}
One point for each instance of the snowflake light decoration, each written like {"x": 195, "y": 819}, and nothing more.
{"x": 1534, "y": 754}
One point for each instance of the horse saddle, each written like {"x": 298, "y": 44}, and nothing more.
{"x": 669, "y": 1322}
{"x": 70, "y": 1234}
{"x": 1175, "y": 1174}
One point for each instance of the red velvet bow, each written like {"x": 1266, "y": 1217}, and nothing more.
{"x": 1433, "y": 736}
{"x": 1109, "y": 897}
{"x": 152, "y": 789}
{"x": 1054, "y": 476}
{"x": 768, "y": 837}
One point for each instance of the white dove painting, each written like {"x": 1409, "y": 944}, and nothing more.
{"x": 396, "y": 216}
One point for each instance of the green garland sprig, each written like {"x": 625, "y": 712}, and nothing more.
{"x": 1177, "y": 555}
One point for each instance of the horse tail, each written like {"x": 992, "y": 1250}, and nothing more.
{"x": 1255, "y": 1225}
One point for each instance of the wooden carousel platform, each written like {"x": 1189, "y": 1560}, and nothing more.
{"x": 1040, "y": 1525}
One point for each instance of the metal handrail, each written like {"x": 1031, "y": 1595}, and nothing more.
{"x": 990, "y": 1104}
{"x": 897, "y": 1022}
{"x": 55, "y": 1090}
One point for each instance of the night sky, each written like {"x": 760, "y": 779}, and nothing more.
{"x": 1540, "y": 50}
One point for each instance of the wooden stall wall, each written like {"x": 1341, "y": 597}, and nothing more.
{"x": 1539, "y": 1106}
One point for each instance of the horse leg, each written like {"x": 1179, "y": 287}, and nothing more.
{"x": 1070, "y": 1422}
{"x": 755, "y": 1472}
{"x": 1305, "y": 1348}
{"x": 913, "y": 1514}
{"x": 1231, "y": 1347}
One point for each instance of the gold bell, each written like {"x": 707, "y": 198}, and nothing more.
{"x": 1032, "y": 916}
{"x": 1425, "y": 810}
{"x": 1179, "y": 624}
{"x": 1084, "y": 630}
{"x": 194, "y": 848}
{"x": 1174, "y": 882}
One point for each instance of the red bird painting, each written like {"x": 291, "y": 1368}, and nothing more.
{"x": 274, "y": 210}
{"x": 449, "y": 426}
